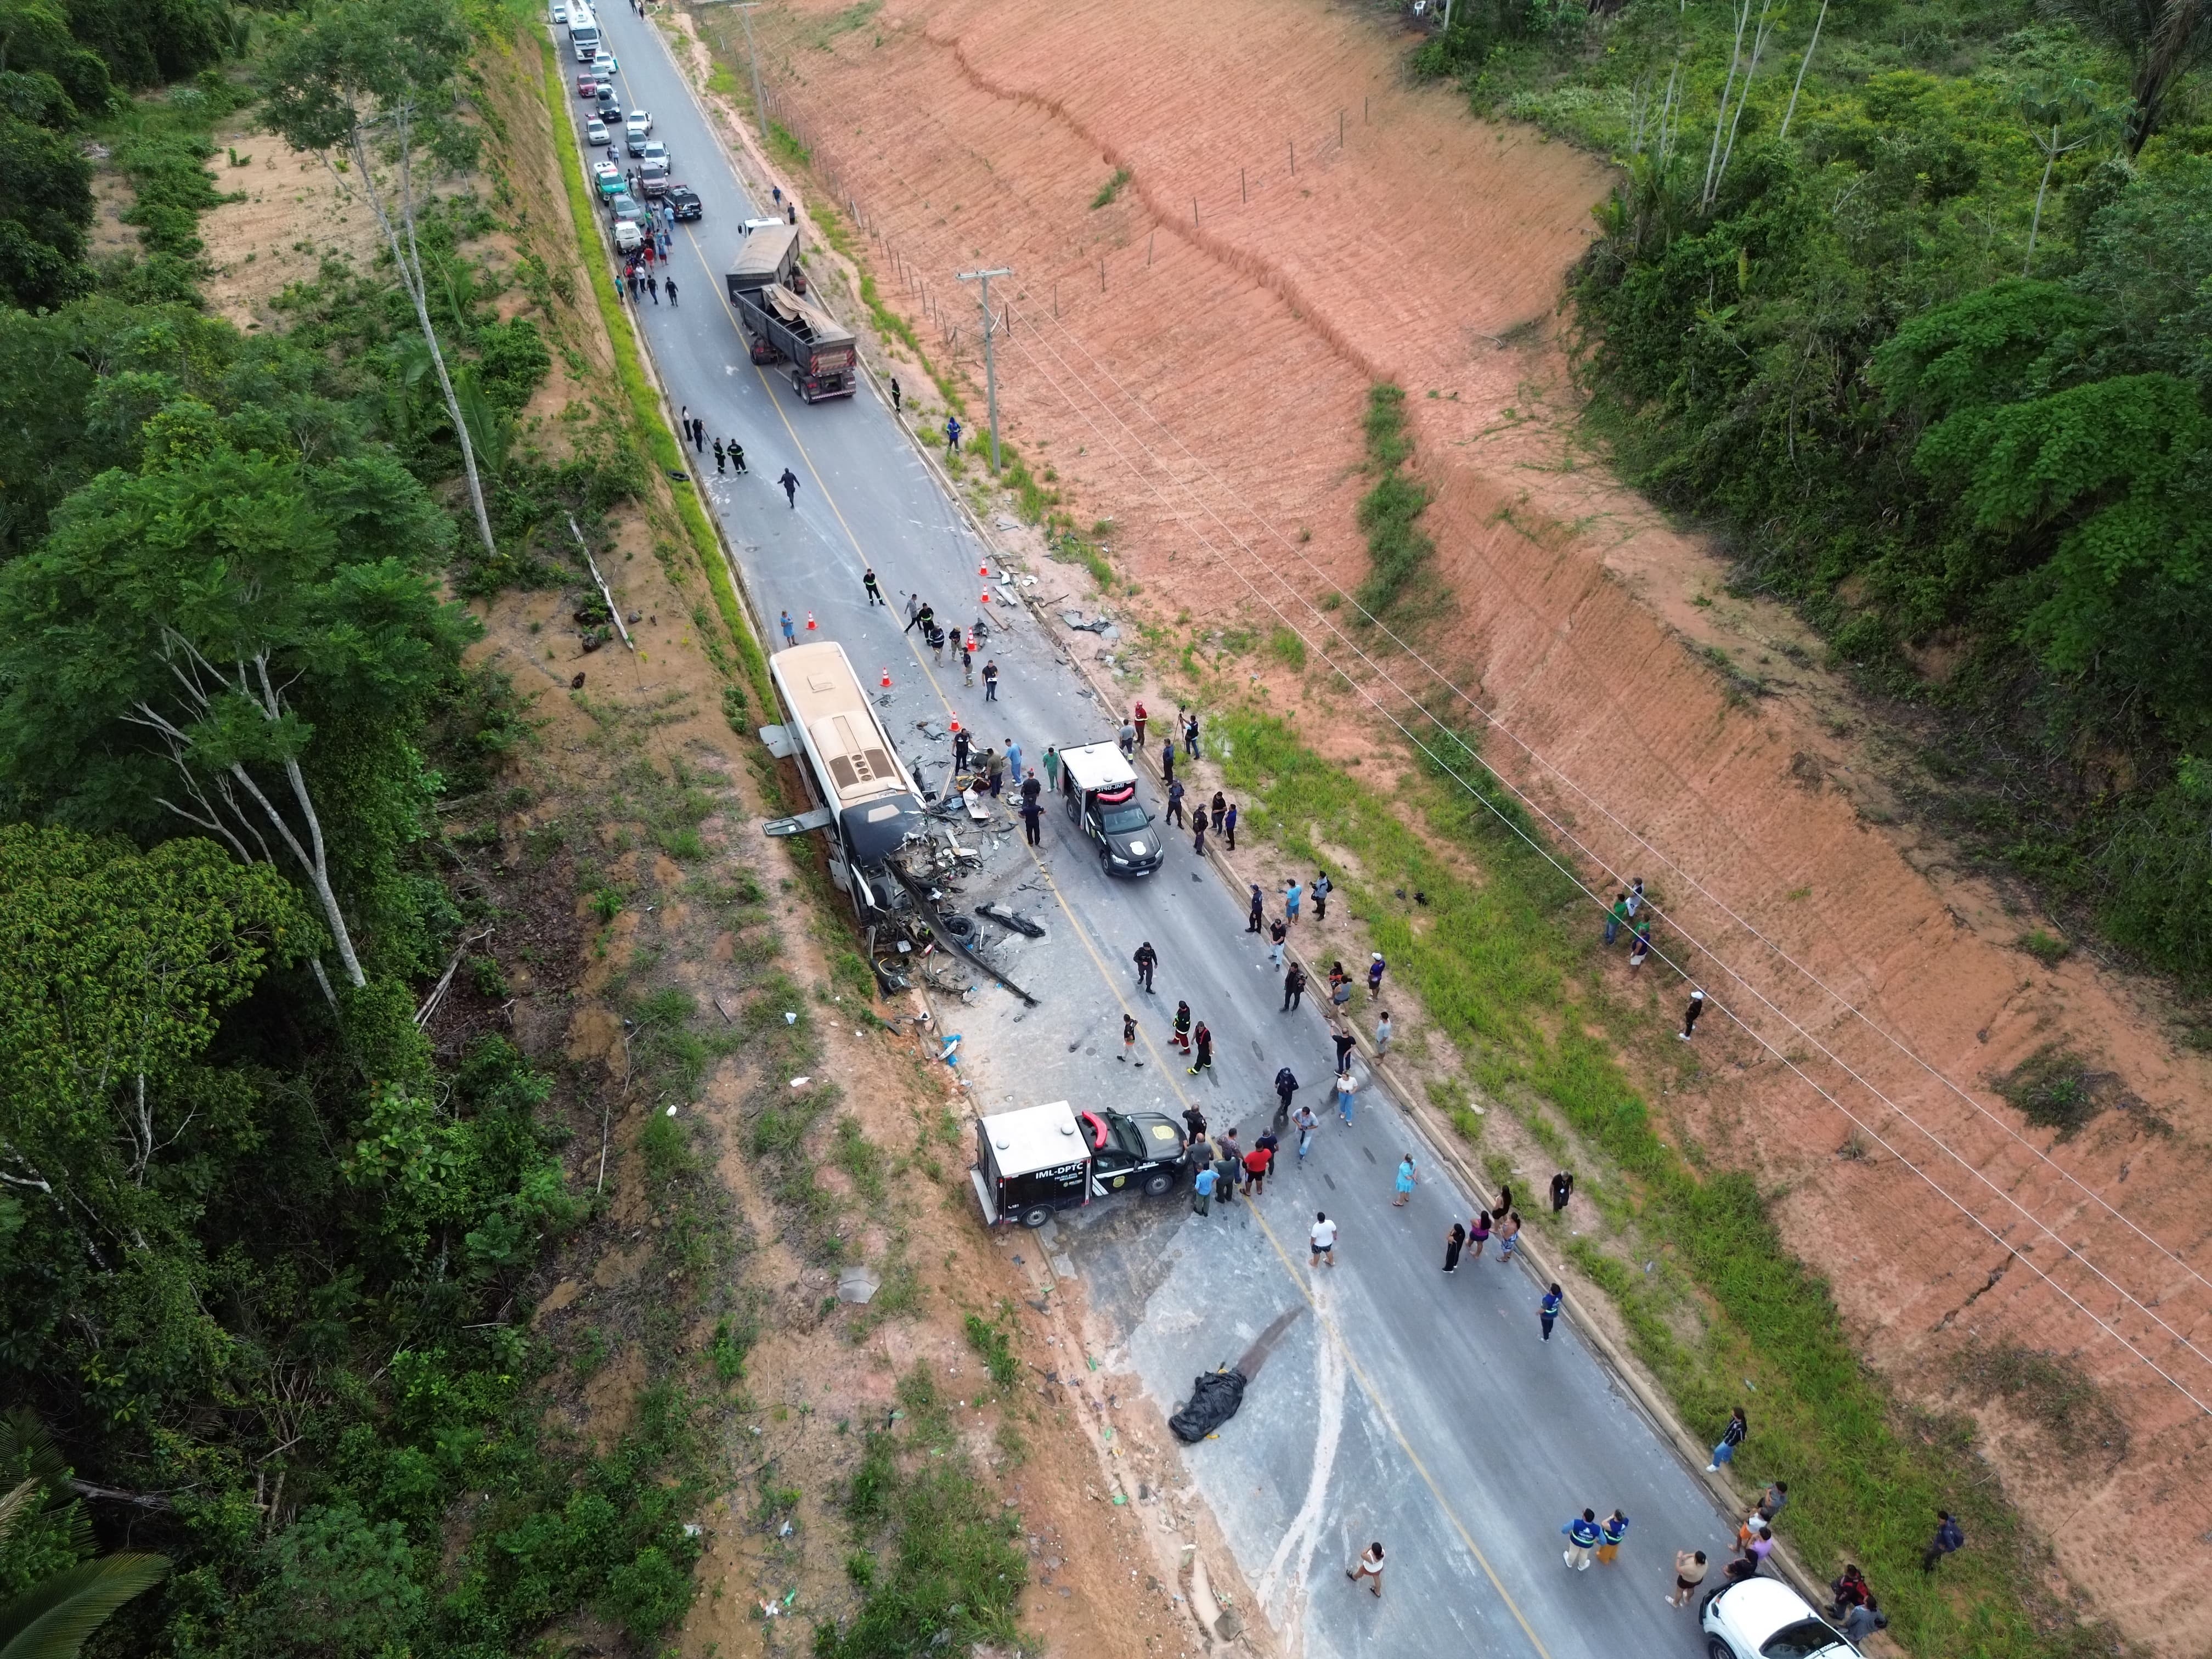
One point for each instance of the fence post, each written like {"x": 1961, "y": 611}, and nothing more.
{"x": 1101, "y": 276}
{"x": 1241, "y": 191}
{"x": 1340, "y": 128}
{"x": 1194, "y": 210}
{"x": 1294, "y": 158}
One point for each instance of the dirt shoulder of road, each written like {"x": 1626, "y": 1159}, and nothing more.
{"x": 1196, "y": 320}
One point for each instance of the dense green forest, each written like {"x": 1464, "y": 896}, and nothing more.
{"x": 1914, "y": 302}
{"x": 261, "y": 1246}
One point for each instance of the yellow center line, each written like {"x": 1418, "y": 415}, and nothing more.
{"x": 1300, "y": 1282}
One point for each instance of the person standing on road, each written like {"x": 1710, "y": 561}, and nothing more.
{"x": 867, "y": 582}
{"x": 895, "y": 394}
{"x": 1322, "y": 887}
{"x": 990, "y": 681}
{"x": 1229, "y": 1166}
{"x": 1508, "y": 1230}
{"x": 1478, "y": 1234}
{"x": 1731, "y": 1437}
{"x": 1167, "y": 761}
{"x": 1344, "y": 1098}
{"x": 1129, "y": 1041}
{"x": 1255, "y": 920}
{"x": 790, "y": 482}
{"x": 1690, "y": 1569}
{"x": 1182, "y": 1030}
{"x": 790, "y": 636}
{"x": 1256, "y": 1164}
{"x": 1407, "y": 1176}
{"x": 1690, "y": 1014}
{"x": 1369, "y": 1566}
{"x": 1147, "y": 960}
{"x": 1346, "y": 1042}
{"x": 1375, "y": 969}
{"x": 1194, "y": 1121}
{"x": 962, "y": 742}
{"x": 1229, "y": 826}
{"x": 1051, "y": 767}
{"x": 1949, "y": 1538}
{"x": 1198, "y": 828}
{"x": 668, "y": 283}
{"x": 919, "y": 615}
{"x": 1287, "y": 1085}
{"x": 1322, "y": 1238}
{"x": 1137, "y": 718}
{"x": 721, "y": 455}
{"x": 1611, "y": 1531}
{"x": 1291, "y": 894}
{"x": 653, "y": 287}
{"x": 1032, "y": 817}
{"x": 1128, "y": 739}
{"x": 699, "y": 436}
{"x": 1294, "y": 988}
{"x": 1305, "y": 1123}
{"x": 1547, "y": 1311}
{"x": 967, "y": 661}
{"x": 1014, "y": 757}
{"x": 1278, "y": 931}
{"x": 1201, "y": 1200}
{"x": 1204, "y": 1038}
{"x": 1455, "y": 1241}
{"x": 1175, "y": 803}
{"x": 738, "y": 457}
{"x": 1582, "y": 1535}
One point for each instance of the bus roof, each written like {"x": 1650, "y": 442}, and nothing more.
{"x": 825, "y": 698}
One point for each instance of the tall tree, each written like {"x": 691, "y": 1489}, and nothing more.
{"x": 377, "y": 81}
{"x": 173, "y": 646}
{"x": 2163, "y": 40}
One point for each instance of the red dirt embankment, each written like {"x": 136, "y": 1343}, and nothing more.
{"x": 1194, "y": 357}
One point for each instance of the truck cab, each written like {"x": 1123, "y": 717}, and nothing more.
{"x": 1099, "y": 792}
{"x": 1038, "y": 1160}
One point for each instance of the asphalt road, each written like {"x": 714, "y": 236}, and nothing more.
{"x": 1399, "y": 1404}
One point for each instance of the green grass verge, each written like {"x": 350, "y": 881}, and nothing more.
{"x": 645, "y": 402}
{"x": 1398, "y": 549}
{"x": 1500, "y": 963}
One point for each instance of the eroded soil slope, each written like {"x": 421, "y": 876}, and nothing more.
{"x": 1192, "y": 351}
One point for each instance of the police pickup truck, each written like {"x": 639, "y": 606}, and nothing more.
{"x": 1032, "y": 1162}
{"x": 1100, "y": 791}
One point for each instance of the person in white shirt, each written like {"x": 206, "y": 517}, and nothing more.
{"x": 1323, "y": 1238}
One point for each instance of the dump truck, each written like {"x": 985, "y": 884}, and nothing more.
{"x": 783, "y": 328}
{"x": 1034, "y": 1161}
{"x": 770, "y": 253}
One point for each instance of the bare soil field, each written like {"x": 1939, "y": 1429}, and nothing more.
{"x": 1228, "y": 223}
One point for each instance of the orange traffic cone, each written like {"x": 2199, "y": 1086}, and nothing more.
{"x": 982, "y": 569}
{"x": 810, "y": 622}
{"x": 986, "y": 597}
{"x": 887, "y": 676}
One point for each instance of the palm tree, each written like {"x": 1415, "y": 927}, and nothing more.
{"x": 53, "y": 1617}
{"x": 2162, "y": 40}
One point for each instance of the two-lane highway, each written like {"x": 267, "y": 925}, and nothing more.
{"x": 1400, "y": 1404}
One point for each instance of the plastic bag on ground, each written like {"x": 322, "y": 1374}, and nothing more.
{"x": 1215, "y": 1397}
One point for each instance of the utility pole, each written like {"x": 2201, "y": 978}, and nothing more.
{"x": 990, "y": 360}
{"x": 759, "y": 104}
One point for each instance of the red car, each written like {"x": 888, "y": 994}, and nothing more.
{"x": 587, "y": 85}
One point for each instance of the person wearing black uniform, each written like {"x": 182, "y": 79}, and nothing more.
{"x": 1563, "y": 1189}
{"x": 1287, "y": 1085}
{"x": 1032, "y": 816}
{"x": 1147, "y": 959}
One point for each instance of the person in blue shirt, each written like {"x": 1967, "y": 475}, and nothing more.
{"x": 1549, "y": 1311}
{"x": 1203, "y": 1203}
{"x": 1582, "y": 1535}
{"x": 1612, "y": 1531}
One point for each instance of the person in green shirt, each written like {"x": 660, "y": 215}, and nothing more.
{"x": 1616, "y": 918}
{"x": 1051, "y": 767}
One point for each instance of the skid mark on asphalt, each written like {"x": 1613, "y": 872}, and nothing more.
{"x": 1302, "y": 1536}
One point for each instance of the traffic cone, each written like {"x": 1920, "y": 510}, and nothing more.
{"x": 955, "y": 726}
{"x": 887, "y": 676}
{"x": 810, "y": 622}
{"x": 987, "y": 596}
{"x": 983, "y": 570}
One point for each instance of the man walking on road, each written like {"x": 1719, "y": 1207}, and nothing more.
{"x": 1051, "y": 767}
{"x": 1949, "y": 1537}
{"x": 1547, "y": 1311}
{"x": 669, "y": 282}
{"x": 738, "y": 457}
{"x": 1582, "y": 1535}
{"x": 1175, "y": 803}
{"x": 1032, "y": 817}
{"x": 1256, "y": 1163}
{"x": 1256, "y": 919}
{"x": 1278, "y": 933}
{"x": 790, "y": 482}
{"x": 1690, "y": 1014}
{"x": 868, "y": 582}
{"x": 1146, "y": 959}
{"x": 1198, "y": 827}
{"x": 1204, "y": 1039}
{"x": 1287, "y": 1085}
{"x": 895, "y": 394}
{"x": 1346, "y": 1042}
{"x": 1014, "y": 757}
{"x": 990, "y": 681}
{"x": 1129, "y": 1048}
{"x": 1305, "y": 1123}
{"x": 920, "y": 615}
{"x": 719, "y": 455}
{"x": 1294, "y": 987}
{"x": 653, "y": 287}
{"x": 1323, "y": 1237}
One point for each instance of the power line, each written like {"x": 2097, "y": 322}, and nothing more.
{"x": 1576, "y": 881}
{"x": 1718, "y": 903}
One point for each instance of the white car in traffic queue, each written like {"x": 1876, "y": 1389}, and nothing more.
{"x": 1765, "y": 1619}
